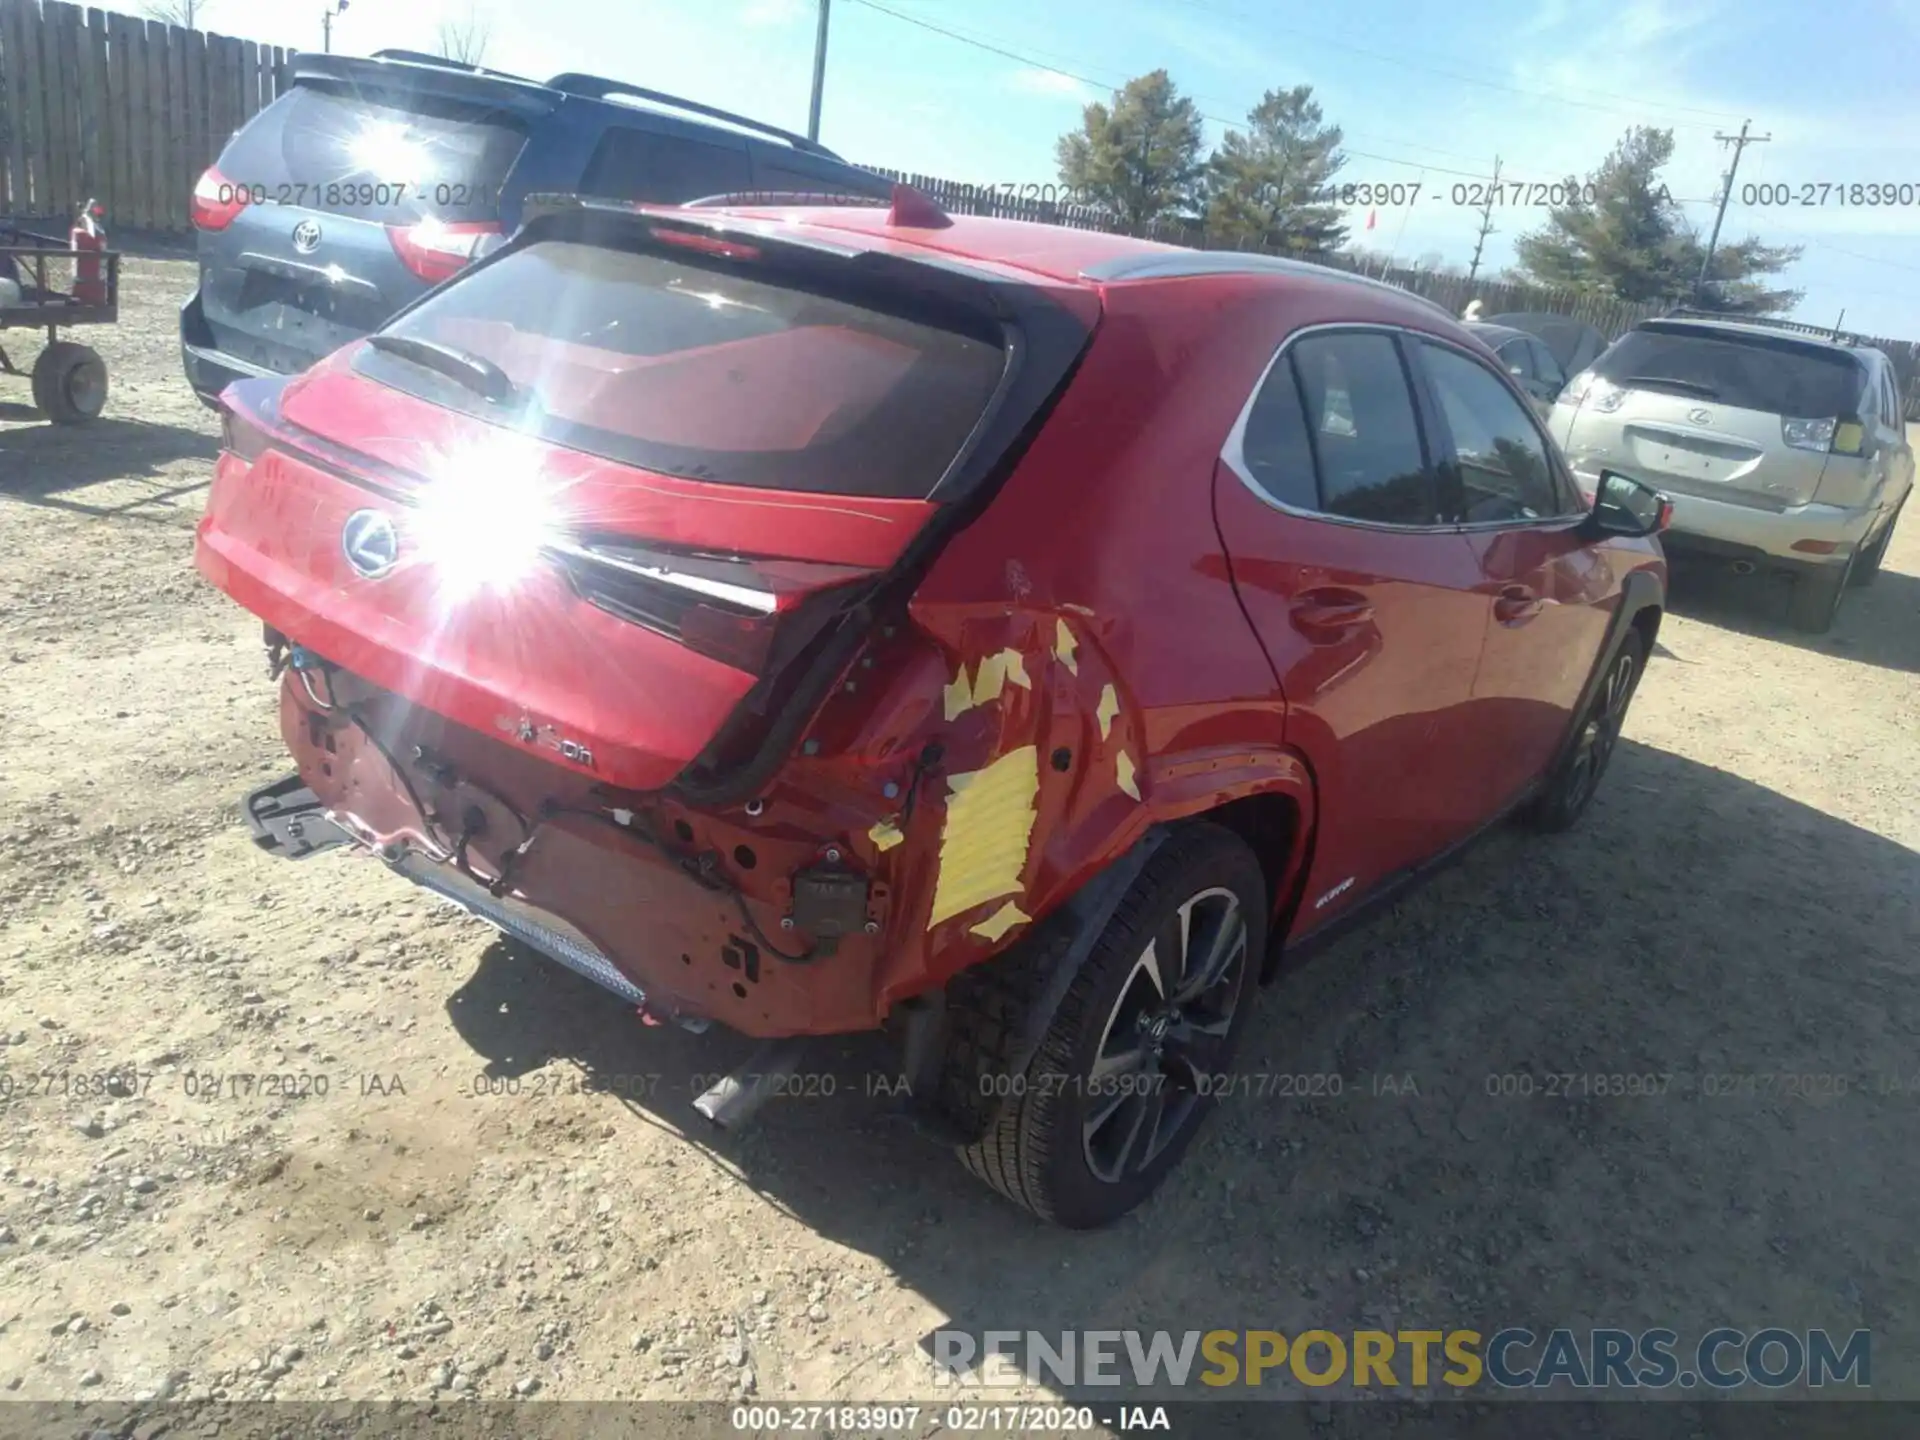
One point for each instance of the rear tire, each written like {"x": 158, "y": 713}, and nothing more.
{"x": 1867, "y": 567}
{"x": 69, "y": 383}
{"x": 1815, "y": 603}
{"x": 1128, "y": 1070}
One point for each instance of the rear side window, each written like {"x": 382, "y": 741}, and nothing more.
{"x": 1332, "y": 429}
{"x": 378, "y": 157}
{"x": 1513, "y": 355}
{"x": 1504, "y": 470}
{"x": 631, "y": 164}
{"x": 1761, "y": 372}
{"x": 707, "y": 370}
{"x": 1360, "y": 420}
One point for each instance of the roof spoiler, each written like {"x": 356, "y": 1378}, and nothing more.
{"x": 596, "y": 87}
{"x": 399, "y": 73}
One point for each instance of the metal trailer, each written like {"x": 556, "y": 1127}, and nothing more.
{"x": 69, "y": 380}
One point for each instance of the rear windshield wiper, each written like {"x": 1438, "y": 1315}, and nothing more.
{"x": 475, "y": 372}
{"x": 1690, "y": 385}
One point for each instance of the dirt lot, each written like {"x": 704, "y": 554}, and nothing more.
{"x": 1740, "y": 903}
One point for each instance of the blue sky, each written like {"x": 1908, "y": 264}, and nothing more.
{"x": 1426, "y": 92}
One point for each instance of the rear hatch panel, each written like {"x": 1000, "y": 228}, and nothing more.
{"x": 583, "y": 678}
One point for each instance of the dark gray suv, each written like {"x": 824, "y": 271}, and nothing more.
{"x": 372, "y": 180}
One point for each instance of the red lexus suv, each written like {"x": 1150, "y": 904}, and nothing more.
{"x": 1019, "y": 639}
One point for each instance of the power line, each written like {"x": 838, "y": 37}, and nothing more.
{"x": 1239, "y": 124}
{"x": 1639, "y": 107}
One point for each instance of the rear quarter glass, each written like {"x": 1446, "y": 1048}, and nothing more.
{"x": 709, "y": 370}
{"x": 1775, "y": 377}
{"x": 383, "y": 157}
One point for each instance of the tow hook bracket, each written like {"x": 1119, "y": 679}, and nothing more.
{"x": 288, "y": 820}
{"x": 829, "y": 903}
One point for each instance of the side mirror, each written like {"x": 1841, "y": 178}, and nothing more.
{"x": 1626, "y": 507}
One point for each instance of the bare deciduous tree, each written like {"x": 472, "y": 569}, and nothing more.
{"x": 184, "y": 13}
{"x": 465, "y": 38}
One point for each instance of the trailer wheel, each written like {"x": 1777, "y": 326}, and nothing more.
{"x": 69, "y": 383}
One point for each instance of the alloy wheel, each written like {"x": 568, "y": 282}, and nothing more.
{"x": 1166, "y": 1037}
{"x": 1601, "y": 730}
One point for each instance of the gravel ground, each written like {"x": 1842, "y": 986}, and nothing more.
{"x": 1741, "y": 902}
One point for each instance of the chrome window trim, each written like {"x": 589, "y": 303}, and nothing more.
{"x": 1234, "y": 451}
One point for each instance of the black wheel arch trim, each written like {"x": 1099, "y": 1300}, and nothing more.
{"x": 1639, "y": 593}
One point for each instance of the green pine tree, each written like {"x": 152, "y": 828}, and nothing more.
{"x": 1624, "y": 236}
{"x": 1265, "y": 186}
{"x": 1139, "y": 157}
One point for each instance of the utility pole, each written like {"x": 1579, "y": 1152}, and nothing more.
{"x": 1739, "y": 143}
{"x": 819, "y": 73}
{"x": 1486, "y": 222}
{"x": 326, "y": 24}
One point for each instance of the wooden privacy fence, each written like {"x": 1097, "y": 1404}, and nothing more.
{"x": 95, "y": 104}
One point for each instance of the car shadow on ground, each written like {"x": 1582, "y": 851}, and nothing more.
{"x": 1878, "y": 624}
{"x": 41, "y": 464}
{"x": 1440, "y": 1173}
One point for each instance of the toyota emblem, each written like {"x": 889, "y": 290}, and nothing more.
{"x": 1700, "y": 417}
{"x": 306, "y": 236}
{"x": 370, "y": 543}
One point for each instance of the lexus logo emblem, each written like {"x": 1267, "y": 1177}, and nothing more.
{"x": 370, "y": 543}
{"x": 1700, "y": 417}
{"x": 306, "y": 237}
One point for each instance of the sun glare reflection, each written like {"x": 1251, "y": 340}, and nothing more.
{"x": 483, "y": 518}
{"x": 387, "y": 147}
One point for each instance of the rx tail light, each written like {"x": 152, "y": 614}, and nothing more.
{"x": 435, "y": 249}
{"x": 751, "y": 614}
{"x": 249, "y": 413}
{"x": 1815, "y": 435}
{"x": 216, "y": 201}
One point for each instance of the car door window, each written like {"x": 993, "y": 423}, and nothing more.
{"x": 1361, "y": 423}
{"x": 1513, "y": 355}
{"x": 1545, "y": 367}
{"x": 667, "y": 169}
{"x": 1505, "y": 472}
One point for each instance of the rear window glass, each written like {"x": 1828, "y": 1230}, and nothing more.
{"x": 1778, "y": 377}
{"x": 376, "y": 157}
{"x": 708, "y": 371}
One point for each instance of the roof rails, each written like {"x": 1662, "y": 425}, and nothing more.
{"x": 1178, "y": 263}
{"x": 907, "y": 208}
{"x": 744, "y": 199}
{"x": 1823, "y": 332}
{"x": 595, "y": 87}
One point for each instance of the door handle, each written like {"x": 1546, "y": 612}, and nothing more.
{"x": 1515, "y": 605}
{"x": 1327, "y": 614}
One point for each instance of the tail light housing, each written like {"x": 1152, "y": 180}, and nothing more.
{"x": 249, "y": 412}
{"x": 435, "y": 250}
{"x": 751, "y": 614}
{"x": 1814, "y": 435}
{"x": 216, "y": 201}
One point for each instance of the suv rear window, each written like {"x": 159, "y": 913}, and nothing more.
{"x": 707, "y": 370}
{"x": 1775, "y": 376}
{"x": 376, "y": 157}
